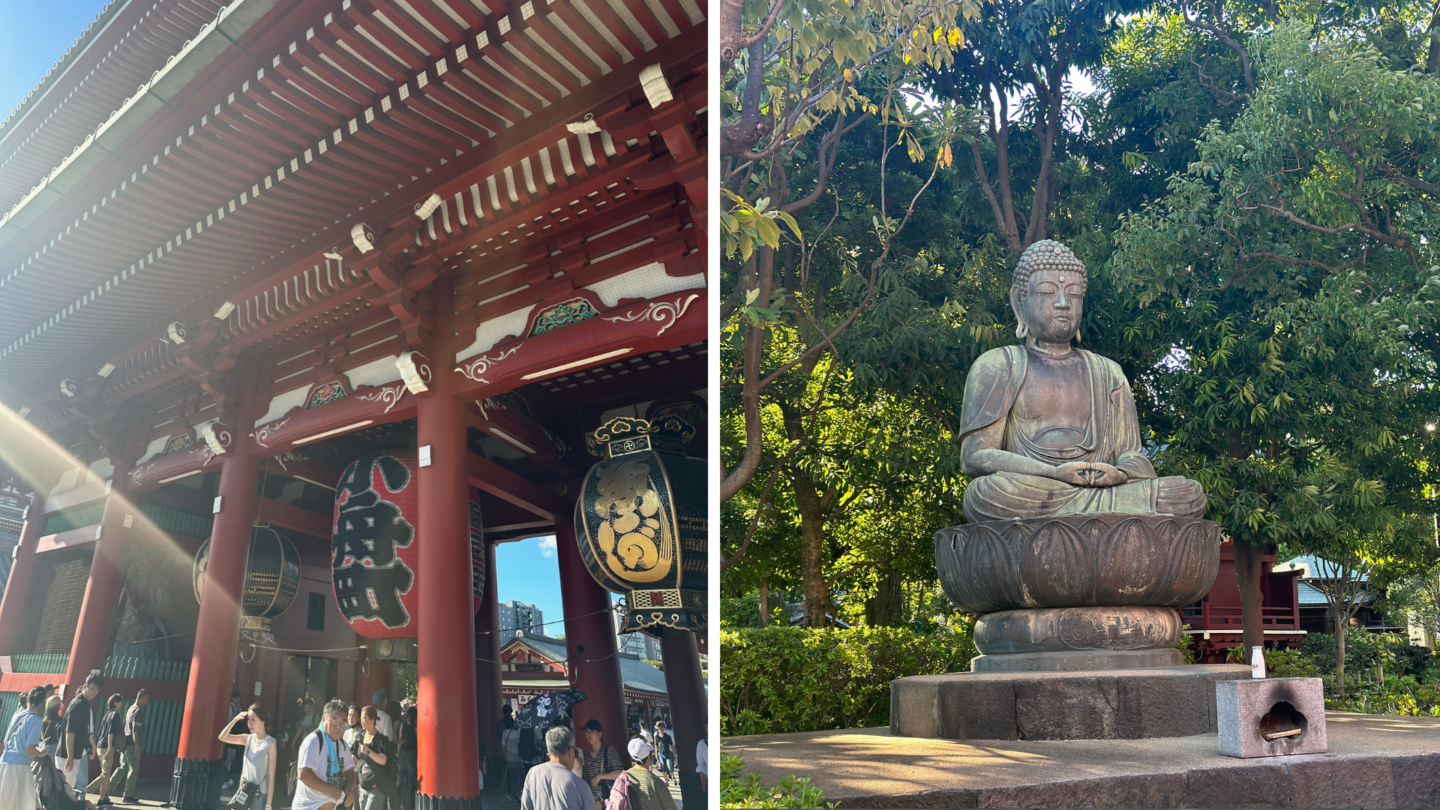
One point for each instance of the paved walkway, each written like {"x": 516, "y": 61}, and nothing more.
{"x": 155, "y": 792}
{"x": 1373, "y": 761}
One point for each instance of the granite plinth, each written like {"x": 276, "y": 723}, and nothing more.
{"x": 1077, "y": 661}
{"x": 1379, "y": 762}
{"x": 1261, "y": 717}
{"x": 1093, "y": 705}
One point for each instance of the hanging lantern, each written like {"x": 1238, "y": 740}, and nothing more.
{"x": 641, "y": 521}
{"x": 272, "y": 576}
{"x": 374, "y": 556}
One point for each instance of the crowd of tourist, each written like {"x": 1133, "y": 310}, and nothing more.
{"x": 360, "y": 757}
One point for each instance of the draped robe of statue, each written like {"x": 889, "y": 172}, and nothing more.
{"x": 1111, "y": 436}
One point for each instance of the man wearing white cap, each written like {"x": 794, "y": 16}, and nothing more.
{"x": 646, "y": 792}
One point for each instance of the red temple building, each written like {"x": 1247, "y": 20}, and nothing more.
{"x": 1214, "y": 622}
{"x": 277, "y": 271}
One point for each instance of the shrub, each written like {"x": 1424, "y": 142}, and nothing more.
{"x": 1290, "y": 664}
{"x": 738, "y": 789}
{"x": 740, "y": 612}
{"x": 783, "y": 679}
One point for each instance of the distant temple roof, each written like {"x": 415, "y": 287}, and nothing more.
{"x": 634, "y": 673}
{"x": 1311, "y": 567}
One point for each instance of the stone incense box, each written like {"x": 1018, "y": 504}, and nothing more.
{"x": 1270, "y": 717}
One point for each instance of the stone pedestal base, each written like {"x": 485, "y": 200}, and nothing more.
{"x": 1249, "y": 710}
{"x": 1077, "y": 661}
{"x": 1104, "y": 705}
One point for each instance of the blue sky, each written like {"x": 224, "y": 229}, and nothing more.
{"x": 33, "y": 34}
{"x": 527, "y": 571}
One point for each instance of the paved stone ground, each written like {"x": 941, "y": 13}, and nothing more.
{"x": 155, "y": 792}
{"x": 1373, "y": 761}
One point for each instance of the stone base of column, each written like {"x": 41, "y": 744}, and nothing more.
{"x": 424, "y": 802}
{"x": 196, "y": 784}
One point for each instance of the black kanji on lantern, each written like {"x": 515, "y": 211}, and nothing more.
{"x": 368, "y": 575}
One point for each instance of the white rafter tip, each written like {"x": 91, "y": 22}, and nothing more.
{"x": 363, "y": 237}
{"x": 68, "y": 387}
{"x": 334, "y": 253}
{"x": 585, "y": 127}
{"x": 423, "y": 210}
{"x": 224, "y": 311}
{"x": 176, "y": 332}
{"x": 106, "y": 370}
{"x": 657, "y": 90}
{"x": 416, "y": 375}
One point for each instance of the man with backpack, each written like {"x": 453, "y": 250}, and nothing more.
{"x": 638, "y": 787}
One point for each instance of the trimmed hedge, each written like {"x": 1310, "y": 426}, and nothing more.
{"x": 783, "y": 679}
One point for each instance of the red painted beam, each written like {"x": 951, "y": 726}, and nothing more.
{"x": 540, "y": 499}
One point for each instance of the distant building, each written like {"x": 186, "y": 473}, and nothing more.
{"x": 13, "y": 503}
{"x": 637, "y": 645}
{"x": 531, "y": 665}
{"x": 520, "y": 616}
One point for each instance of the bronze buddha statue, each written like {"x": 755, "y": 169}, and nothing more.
{"x": 1048, "y": 429}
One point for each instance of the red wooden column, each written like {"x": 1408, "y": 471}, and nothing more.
{"x": 590, "y": 643}
{"x": 488, "y": 679}
{"x": 91, "y": 647}
{"x": 198, "y": 773}
{"x": 685, "y": 686}
{"x": 449, "y": 764}
{"x": 17, "y": 589}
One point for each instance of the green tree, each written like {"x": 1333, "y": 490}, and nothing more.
{"x": 1288, "y": 298}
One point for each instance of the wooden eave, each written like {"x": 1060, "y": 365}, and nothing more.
{"x": 433, "y": 97}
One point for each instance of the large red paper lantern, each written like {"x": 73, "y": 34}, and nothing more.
{"x": 374, "y": 549}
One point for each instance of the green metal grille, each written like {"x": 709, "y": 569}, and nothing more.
{"x": 9, "y": 704}
{"x": 163, "y": 718}
{"x": 86, "y": 514}
{"x": 174, "y": 520}
{"x": 146, "y": 669}
{"x": 53, "y": 664}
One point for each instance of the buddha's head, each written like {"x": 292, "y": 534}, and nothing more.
{"x": 1047, "y": 293}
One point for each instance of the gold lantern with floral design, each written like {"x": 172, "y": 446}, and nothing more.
{"x": 641, "y": 521}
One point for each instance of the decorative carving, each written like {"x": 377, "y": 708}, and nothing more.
{"x": 475, "y": 367}
{"x": 416, "y": 371}
{"x": 665, "y": 313}
{"x": 178, "y": 442}
{"x": 657, "y": 90}
{"x": 363, "y": 237}
{"x": 262, "y": 434}
{"x": 176, "y": 332}
{"x": 1078, "y": 561}
{"x": 388, "y": 394}
{"x": 325, "y": 394}
{"x": 1078, "y": 628}
{"x": 68, "y": 387}
{"x": 217, "y": 436}
{"x": 564, "y": 313}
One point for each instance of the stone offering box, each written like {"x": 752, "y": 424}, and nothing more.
{"x": 1270, "y": 717}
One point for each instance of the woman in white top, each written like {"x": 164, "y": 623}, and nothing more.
{"x": 259, "y": 767}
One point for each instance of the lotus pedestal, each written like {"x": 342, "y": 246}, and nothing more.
{"x": 1077, "y": 630}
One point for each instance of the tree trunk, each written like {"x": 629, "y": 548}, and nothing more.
{"x": 1340, "y": 653}
{"x": 764, "y": 602}
{"x": 1248, "y": 568}
{"x": 812, "y": 547}
{"x": 887, "y": 607}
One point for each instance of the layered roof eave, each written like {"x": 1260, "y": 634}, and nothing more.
{"x": 41, "y": 91}
{"x": 214, "y": 39}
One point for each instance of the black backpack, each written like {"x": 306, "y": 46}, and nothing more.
{"x": 527, "y": 744}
